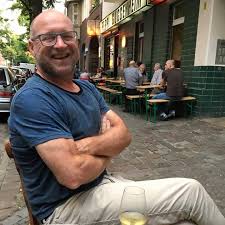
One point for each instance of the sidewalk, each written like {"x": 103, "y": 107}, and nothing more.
{"x": 177, "y": 148}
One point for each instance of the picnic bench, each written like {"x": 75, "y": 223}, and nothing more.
{"x": 108, "y": 93}
{"x": 32, "y": 219}
{"x": 188, "y": 100}
{"x": 135, "y": 101}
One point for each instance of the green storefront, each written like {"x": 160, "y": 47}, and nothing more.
{"x": 191, "y": 32}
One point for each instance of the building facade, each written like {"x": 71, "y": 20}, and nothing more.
{"x": 86, "y": 17}
{"x": 150, "y": 31}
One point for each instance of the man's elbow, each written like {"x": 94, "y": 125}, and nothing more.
{"x": 69, "y": 182}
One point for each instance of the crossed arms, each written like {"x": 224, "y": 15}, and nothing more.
{"x": 79, "y": 162}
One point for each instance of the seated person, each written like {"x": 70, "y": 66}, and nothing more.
{"x": 132, "y": 79}
{"x": 174, "y": 80}
{"x": 100, "y": 73}
{"x": 84, "y": 75}
{"x": 143, "y": 74}
{"x": 157, "y": 78}
{"x": 64, "y": 135}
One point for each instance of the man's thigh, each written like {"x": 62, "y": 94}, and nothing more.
{"x": 101, "y": 204}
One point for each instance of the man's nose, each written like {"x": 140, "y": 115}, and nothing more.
{"x": 59, "y": 42}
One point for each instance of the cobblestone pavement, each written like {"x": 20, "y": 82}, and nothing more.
{"x": 178, "y": 148}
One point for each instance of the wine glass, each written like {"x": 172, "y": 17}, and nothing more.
{"x": 133, "y": 207}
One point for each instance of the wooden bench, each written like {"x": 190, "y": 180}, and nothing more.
{"x": 155, "y": 102}
{"x": 32, "y": 219}
{"x": 111, "y": 92}
{"x": 136, "y": 101}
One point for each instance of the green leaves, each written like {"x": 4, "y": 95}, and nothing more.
{"x": 14, "y": 47}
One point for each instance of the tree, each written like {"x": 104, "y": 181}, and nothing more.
{"x": 30, "y": 9}
{"x": 13, "y": 47}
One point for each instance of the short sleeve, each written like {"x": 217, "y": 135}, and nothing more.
{"x": 38, "y": 117}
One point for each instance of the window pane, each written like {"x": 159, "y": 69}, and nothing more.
{"x": 75, "y": 19}
{"x": 2, "y": 75}
{"x": 75, "y": 8}
{"x": 177, "y": 42}
{"x": 179, "y": 11}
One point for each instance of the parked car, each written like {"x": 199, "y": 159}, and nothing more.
{"x": 7, "y": 87}
{"x": 18, "y": 72}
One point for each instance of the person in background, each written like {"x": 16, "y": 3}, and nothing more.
{"x": 132, "y": 79}
{"x": 156, "y": 79}
{"x": 157, "y": 75}
{"x": 84, "y": 75}
{"x": 100, "y": 73}
{"x": 64, "y": 135}
{"x": 174, "y": 80}
{"x": 143, "y": 74}
{"x": 138, "y": 64}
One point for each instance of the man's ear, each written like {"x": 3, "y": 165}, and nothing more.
{"x": 31, "y": 47}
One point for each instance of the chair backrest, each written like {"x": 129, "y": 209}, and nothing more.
{"x": 32, "y": 219}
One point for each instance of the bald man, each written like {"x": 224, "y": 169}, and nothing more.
{"x": 63, "y": 136}
{"x": 132, "y": 79}
{"x": 174, "y": 81}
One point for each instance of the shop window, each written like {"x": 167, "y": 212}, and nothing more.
{"x": 75, "y": 17}
{"x": 177, "y": 33}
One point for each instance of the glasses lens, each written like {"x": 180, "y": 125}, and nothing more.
{"x": 48, "y": 39}
{"x": 68, "y": 36}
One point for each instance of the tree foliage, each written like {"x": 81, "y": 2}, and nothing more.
{"x": 30, "y": 9}
{"x": 13, "y": 47}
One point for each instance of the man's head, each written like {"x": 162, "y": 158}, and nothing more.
{"x": 157, "y": 66}
{"x": 142, "y": 67}
{"x": 53, "y": 44}
{"x": 170, "y": 64}
{"x": 132, "y": 63}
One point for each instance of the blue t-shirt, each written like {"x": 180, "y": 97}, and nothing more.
{"x": 40, "y": 112}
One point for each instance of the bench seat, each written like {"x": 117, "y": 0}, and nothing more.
{"x": 154, "y": 103}
{"x": 111, "y": 92}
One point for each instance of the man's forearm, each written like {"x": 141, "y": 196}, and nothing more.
{"x": 110, "y": 143}
{"x": 91, "y": 168}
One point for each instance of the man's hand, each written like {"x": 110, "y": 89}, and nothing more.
{"x": 113, "y": 138}
{"x": 105, "y": 125}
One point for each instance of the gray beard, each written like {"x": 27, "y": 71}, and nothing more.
{"x": 51, "y": 72}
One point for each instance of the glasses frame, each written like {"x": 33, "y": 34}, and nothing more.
{"x": 39, "y": 37}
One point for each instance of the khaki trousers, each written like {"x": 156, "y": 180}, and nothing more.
{"x": 169, "y": 201}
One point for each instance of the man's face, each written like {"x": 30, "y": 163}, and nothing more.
{"x": 167, "y": 65}
{"x": 142, "y": 68}
{"x": 58, "y": 60}
{"x": 156, "y": 67}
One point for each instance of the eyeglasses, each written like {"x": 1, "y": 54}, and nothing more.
{"x": 49, "y": 39}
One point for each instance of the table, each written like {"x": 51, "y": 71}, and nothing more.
{"x": 146, "y": 87}
{"x": 115, "y": 81}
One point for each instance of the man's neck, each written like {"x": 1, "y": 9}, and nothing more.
{"x": 66, "y": 84}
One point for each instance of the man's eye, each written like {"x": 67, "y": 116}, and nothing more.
{"x": 67, "y": 36}
{"x": 48, "y": 37}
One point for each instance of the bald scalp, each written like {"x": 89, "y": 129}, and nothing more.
{"x": 45, "y": 17}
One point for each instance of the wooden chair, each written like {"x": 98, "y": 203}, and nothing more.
{"x": 32, "y": 219}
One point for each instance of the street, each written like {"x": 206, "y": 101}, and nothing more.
{"x": 178, "y": 148}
